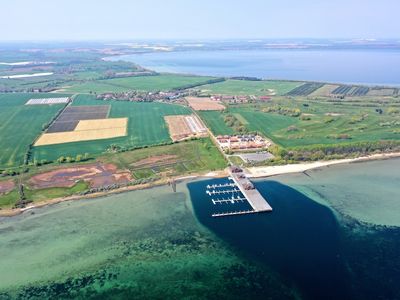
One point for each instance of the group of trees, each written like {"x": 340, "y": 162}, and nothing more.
{"x": 233, "y": 122}
{"x": 286, "y": 111}
{"x": 193, "y": 85}
{"x": 22, "y": 201}
{"x": 393, "y": 111}
{"x": 114, "y": 148}
{"x": 358, "y": 118}
{"x": 119, "y": 185}
{"x": 78, "y": 158}
{"x": 13, "y": 171}
{"x": 28, "y": 154}
{"x": 341, "y": 136}
{"x": 337, "y": 151}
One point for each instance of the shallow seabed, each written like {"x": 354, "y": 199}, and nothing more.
{"x": 327, "y": 238}
{"x": 366, "y": 191}
{"x": 142, "y": 245}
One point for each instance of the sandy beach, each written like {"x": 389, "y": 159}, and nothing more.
{"x": 268, "y": 171}
{"x": 26, "y": 75}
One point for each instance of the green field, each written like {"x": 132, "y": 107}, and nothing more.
{"x": 189, "y": 157}
{"x": 146, "y": 126}
{"x": 350, "y": 122}
{"x": 215, "y": 121}
{"x": 20, "y": 125}
{"x": 194, "y": 156}
{"x": 10, "y": 199}
{"x": 247, "y": 87}
{"x": 141, "y": 83}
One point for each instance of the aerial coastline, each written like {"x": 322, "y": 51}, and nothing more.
{"x": 252, "y": 172}
{"x": 236, "y": 150}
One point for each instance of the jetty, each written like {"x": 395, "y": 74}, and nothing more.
{"x": 234, "y": 213}
{"x": 253, "y": 196}
{"x": 239, "y": 189}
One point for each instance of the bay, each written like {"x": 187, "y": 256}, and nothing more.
{"x": 369, "y": 66}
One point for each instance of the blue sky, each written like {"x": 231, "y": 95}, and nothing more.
{"x": 199, "y": 19}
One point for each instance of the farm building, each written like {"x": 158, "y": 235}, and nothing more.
{"x": 264, "y": 98}
{"x": 242, "y": 142}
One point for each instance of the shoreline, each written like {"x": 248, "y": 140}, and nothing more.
{"x": 12, "y": 212}
{"x": 269, "y": 171}
{"x": 252, "y": 172}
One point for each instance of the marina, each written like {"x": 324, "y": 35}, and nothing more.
{"x": 238, "y": 191}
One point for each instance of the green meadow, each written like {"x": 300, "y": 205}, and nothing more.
{"x": 161, "y": 82}
{"x": 21, "y": 124}
{"x": 249, "y": 87}
{"x": 192, "y": 156}
{"x": 318, "y": 122}
{"x": 215, "y": 121}
{"x": 36, "y": 195}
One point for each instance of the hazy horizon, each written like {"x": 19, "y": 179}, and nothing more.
{"x": 124, "y": 20}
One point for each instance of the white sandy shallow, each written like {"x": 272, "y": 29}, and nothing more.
{"x": 26, "y": 75}
{"x": 26, "y": 63}
{"x": 256, "y": 172}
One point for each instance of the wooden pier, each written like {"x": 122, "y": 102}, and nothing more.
{"x": 253, "y": 196}
{"x": 234, "y": 213}
{"x": 214, "y": 192}
{"x": 232, "y": 200}
{"x": 238, "y": 190}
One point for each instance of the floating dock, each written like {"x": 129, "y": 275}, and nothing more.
{"x": 234, "y": 213}
{"x": 238, "y": 190}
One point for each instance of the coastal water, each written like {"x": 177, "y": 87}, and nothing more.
{"x": 344, "y": 66}
{"x": 368, "y": 192}
{"x": 156, "y": 244}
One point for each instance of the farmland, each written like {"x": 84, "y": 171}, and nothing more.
{"x": 21, "y": 124}
{"x": 348, "y": 90}
{"x": 141, "y": 83}
{"x": 324, "y": 91}
{"x": 48, "y": 182}
{"x": 305, "y": 89}
{"x": 146, "y": 126}
{"x": 184, "y": 127}
{"x": 204, "y": 103}
{"x": 87, "y": 130}
{"x": 82, "y": 67}
{"x": 382, "y": 91}
{"x": 249, "y": 87}
{"x": 215, "y": 121}
{"x": 316, "y": 123}
{"x": 71, "y": 115}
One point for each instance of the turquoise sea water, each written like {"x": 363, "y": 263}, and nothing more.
{"x": 156, "y": 244}
{"x": 344, "y": 66}
{"x": 368, "y": 192}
